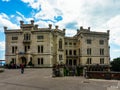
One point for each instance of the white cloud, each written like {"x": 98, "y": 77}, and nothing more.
{"x": 4, "y": 19}
{"x": 83, "y": 12}
{"x": 47, "y": 11}
{"x": 33, "y": 3}
{"x": 2, "y": 45}
{"x": 73, "y": 10}
{"x": 18, "y": 18}
{"x": 3, "y": 15}
{"x": 5, "y": 0}
{"x": 114, "y": 22}
{"x": 42, "y": 24}
{"x": 12, "y": 16}
{"x": 116, "y": 51}
{"x": 70, "y": 32}
{"x": 22, "y": 17}
{"x": 113, "y": 25}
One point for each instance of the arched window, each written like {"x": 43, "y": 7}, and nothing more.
{"x": 38, "y": 61}
{"x": 27, "y": 36}
{"x": 60, "y": 44}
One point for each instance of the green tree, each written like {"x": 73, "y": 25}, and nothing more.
{"x": 115, "y": 64}
{"x": 30, "y": 63}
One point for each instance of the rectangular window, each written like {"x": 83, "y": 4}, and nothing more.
{"x": 13, "y": 50}
{"x": 27, "y": 36}
{"x": 60, "y": 44}
{"x": 70, "y": 61}
{"x": 74, "y": 52}
{"x": 41, "y": 48}
{"x": 79, "y": 51}
{"x": 101, "y": 42}
{"x": 60, "y": 57}
{"x": 38, "y": 61}
{"x": 74, "y": 43}
{"x": 89, "y": 41}
{"x": 89, "y": 60}
{"x": 26, "y": 48}
{"x": 67, "y": 61}
{"x": 70, "y": 52}
{"x": 65, "y": 43}
{"x": 40, "y": 37}
{"x": 14, "y": 38}
{"x": 101, "y": 51}
{"x": 41, "y": 61}
{"x": 88, "y": 51}
{"x": 75, "y": 62}
{"x": 70, "y": 43}
{"x": 66, "y": 52}
{"x": 101, "y": 60}
{"x": 38, "y": 49}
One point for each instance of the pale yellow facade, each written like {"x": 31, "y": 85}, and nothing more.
{"x": 47, "y": 46}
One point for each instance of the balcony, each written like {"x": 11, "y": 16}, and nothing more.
{"x": 72, "y": 56}
{"x": 26, "y": 41}
{"x": 60, "y": 49}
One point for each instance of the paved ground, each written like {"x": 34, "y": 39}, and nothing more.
{"x": 40, "y": 79}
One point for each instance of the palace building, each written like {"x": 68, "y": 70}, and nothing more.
{"x": 47, "y": 46}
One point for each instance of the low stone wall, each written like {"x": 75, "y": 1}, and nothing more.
{"x": 1, "y": 70}
{"x": 103, "y": 75}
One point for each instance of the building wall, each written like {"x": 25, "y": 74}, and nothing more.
{"x": 52, "y": 53}
{"x": 94, "y": 60}
{"x": 95, "y": 47}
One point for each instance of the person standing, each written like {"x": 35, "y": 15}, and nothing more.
{"x": 22, "y": 68}
{"x": 54, "y": 70}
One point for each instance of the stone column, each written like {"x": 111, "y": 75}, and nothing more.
{"x": 28, "y": 57}
{"x": 17, "y": 58}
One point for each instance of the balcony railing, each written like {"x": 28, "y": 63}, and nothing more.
{"x": 26, "y": 41}
{"x": 72, "y": 56}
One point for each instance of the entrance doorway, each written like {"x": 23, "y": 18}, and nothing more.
{"x": 24, "y": 60}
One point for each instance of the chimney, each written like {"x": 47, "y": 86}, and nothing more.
{"x": 5, "y": 28}
{"x": 21, "y": 22}
{"x": 108, "y": 31}
{"x": 81, "y": 28}
{"x": 77, "y": 30}
{"x": 89, "y": 28}
{"x": 36, "y": 26}
{"x": 50, "y": 26}
{"x": 56, "y": 27}
{"x": 64, "y": 30}
{"x": 32, "y": 22}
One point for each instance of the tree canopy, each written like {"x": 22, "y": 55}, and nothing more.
{"x": 115, "y": 64}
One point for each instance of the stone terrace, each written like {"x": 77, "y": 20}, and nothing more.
{"x": 41, "y": 79}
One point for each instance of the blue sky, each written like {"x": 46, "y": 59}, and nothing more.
{"x": 100, "y": 15}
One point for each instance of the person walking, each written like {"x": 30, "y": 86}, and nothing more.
{"x": 22, "y": 68}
